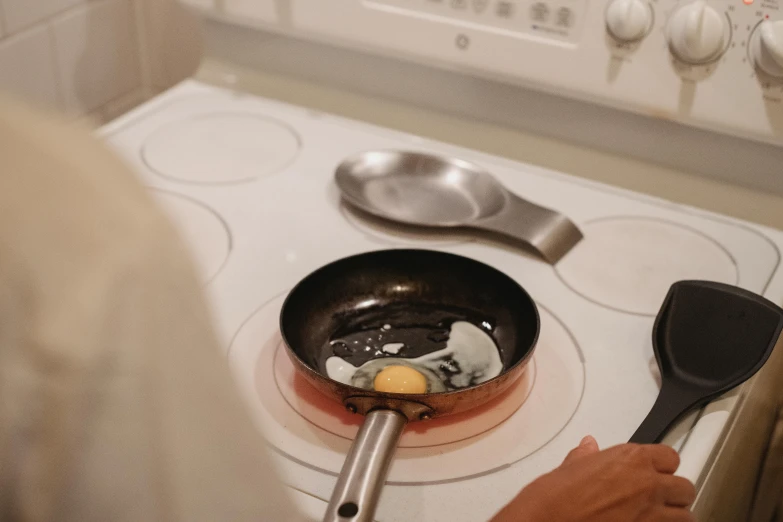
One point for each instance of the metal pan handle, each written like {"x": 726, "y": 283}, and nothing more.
{"x": 361, "y": 480}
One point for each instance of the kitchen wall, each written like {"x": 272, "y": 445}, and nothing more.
{"x": 94, "y": 59}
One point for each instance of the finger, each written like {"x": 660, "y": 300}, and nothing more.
{"x": 664, "y": 458}
{"x": 669, "y": 514}
{"x": 587, "y": 446}
{"x": 677, "y": 491}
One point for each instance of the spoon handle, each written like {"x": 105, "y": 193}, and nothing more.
{"x": 547, "y": 232}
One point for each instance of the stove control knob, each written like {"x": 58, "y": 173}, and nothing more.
{"x": 697, "y": 33}
{"x": 628, "y": 20}
{"x": 766, "y": 44}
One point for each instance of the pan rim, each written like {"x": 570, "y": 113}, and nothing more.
{"x": 411, "y": 397}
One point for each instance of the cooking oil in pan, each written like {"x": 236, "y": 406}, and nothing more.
{"x": 451, "y": 348}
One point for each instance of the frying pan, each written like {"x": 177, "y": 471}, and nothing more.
{"x": 708, "y": 338}
{"x": 401, "y": 288}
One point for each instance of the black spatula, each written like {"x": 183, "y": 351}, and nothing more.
{"x": 708, "y": 338}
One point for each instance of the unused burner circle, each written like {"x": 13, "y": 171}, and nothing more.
{"x": 629, "y": 263}
{"x": 220, "y": 148}
{"x": 202, "y": 229}
{"x": 309, "y": 428}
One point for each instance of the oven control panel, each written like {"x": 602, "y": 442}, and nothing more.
{"x": 713, "y": 64}
{"x": 556, "y": 19}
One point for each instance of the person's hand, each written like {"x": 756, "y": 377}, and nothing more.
{"x": 626, "y": 483}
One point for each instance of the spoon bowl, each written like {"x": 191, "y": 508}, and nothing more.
{"x": 432, "y": 191}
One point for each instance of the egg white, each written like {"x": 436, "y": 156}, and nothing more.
{"x": 470, "y": 357}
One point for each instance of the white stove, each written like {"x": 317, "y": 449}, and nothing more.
{"x": 249, "y": 182}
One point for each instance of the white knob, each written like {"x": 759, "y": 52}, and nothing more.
{"x": 767, "y": 48}
{"x": 628, "y": 20}
{"x": 697, "y": 33}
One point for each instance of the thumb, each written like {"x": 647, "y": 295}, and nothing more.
{"x": 588, "y": 446}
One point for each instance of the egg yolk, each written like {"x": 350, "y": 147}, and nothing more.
{"x": 400, "y": 379}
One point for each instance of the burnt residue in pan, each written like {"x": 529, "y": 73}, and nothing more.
{"x": 403, "y": 330}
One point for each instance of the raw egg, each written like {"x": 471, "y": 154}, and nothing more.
{"x": 469, "y": 358}
{"x": 400, "y": 379}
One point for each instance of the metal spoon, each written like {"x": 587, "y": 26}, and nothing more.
{"x": 425, "y": 190}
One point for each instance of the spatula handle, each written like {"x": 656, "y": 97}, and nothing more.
{"x": 670, "y": 406}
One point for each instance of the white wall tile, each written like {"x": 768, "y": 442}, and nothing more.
{"x": 95, "y": 58}
{"x": 27, "y": 68}
{"x": 23, "y": 13}
{"x": 97, "y": 54}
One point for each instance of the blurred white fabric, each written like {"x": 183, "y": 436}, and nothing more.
{"x": 115, "y": 401}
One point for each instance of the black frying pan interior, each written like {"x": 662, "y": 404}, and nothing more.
{"x": 415, "y": 287}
